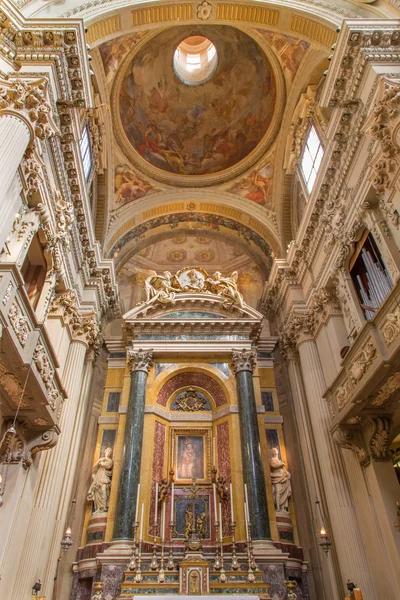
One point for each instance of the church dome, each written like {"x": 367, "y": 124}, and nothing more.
{"x": 196, "y": 101}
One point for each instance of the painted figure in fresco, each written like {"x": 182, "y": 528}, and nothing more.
{"x": 280, "y": 478}
{"x": 99, "y": 490}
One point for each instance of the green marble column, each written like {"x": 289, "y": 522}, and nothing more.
{"x": 140, "y": 362}
{"x": 243, "y": 363}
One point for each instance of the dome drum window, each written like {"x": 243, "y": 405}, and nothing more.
{"x": 195, "y": 60}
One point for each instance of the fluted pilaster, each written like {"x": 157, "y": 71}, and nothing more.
{"x": 14, "y": 139}
{"x": 53, "y": 485}
{"x": 346, "y": 533}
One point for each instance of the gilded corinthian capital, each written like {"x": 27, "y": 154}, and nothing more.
{"x": 244, "y": 360}
{"x": 140, "y": 360}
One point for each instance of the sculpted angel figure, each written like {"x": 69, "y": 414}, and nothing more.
{"x": 280, "y": 478}
{"x": 226, "y": 286}
{"x": 159, "y": 288}
{"x": 99, "y": 490}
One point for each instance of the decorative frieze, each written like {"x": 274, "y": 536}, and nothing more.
{"x": 391, "y": 327}
{"x": 46, "y": 373}
{"x": 19, "y": 324}
{"x": 140, "y": 360}
{"x": 362, "y": 362}
{"x": 244, "y": 360}
{"x": 391, "y": 386}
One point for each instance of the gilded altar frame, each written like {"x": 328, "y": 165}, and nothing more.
{"x": 200, "y": 440}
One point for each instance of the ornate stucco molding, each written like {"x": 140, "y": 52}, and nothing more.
{"x": 352, "y": 439}
{"x": 244, "y": 360}
{"x": 20, "y": 447}
{"x": 140, "y": 360}
{"x": 378, "y": 435}
{"x": 30, "y": 99}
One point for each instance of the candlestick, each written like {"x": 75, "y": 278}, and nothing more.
{"x": 247, "y": 500}
{"x": 220, "y": 522}
{"x": 141, "y": 524}
{"x": 215, "y": 502}
{"x": 137, "y": 502}
{"x": 172, "y": 501}
{"x": 232, "y": 513}
{"x": 163, "y": 522}
{"x": 235, "y": 563}
{"x": 156, "y": 505}
{"x": 245, "y": 520}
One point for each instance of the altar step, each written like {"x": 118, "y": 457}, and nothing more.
{"x": 236, "y": 583}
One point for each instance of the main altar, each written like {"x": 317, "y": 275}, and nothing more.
{"x": 190, "y": 494}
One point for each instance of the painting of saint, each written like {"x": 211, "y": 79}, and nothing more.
{"x": 190, "y": 458}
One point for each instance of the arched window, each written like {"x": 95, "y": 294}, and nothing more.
{"x": 369, "y": 275}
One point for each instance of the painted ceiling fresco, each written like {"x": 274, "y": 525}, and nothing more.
{"x": 195, "y": 130}
{"x": 290, "y": 50}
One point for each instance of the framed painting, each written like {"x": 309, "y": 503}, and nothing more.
{"x": 190, "y": 454}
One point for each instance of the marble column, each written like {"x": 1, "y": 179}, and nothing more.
{"x": 140, "y": 363}
{"x": 346, "y": 533}
{"x": 14, "y": 139}
{"x": 253, "y": 473}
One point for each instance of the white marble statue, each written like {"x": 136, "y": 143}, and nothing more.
{"x": 226, "y": 286}
{"x": 159, "y": 288}
{"x": 99, "y": 490}
{"x": 280, "y": 478}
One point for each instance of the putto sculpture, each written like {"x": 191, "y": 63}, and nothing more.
{"x": 163, "y": 288}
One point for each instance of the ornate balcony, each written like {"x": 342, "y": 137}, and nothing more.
{"x": 369, "y": 380}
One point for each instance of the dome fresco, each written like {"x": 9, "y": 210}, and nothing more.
{"x": 203, "y": 129}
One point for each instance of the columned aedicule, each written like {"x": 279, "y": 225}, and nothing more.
{"x": 140, "y": 362}
{"x": 244, "y": 362}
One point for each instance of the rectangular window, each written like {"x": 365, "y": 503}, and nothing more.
{"x": 311, "y": 159}
{"x": 113, "y": 401}
{"x": 369, "y": 275}
{"x": 267, "y": 400}
{"x": 86, "y": 152}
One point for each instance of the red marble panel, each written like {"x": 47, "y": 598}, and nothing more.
{"x": 157, "y": 469}
{"x": 224, "y": 469}
{"x": 201, "y": 380}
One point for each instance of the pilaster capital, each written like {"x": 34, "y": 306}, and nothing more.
{"x": 140, "y": 360}
{"x": 244, "y": 360}
{"x": 298, "y": 328}
{"x": 84, "y": 327}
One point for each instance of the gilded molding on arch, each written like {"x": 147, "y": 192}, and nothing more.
{"x": 161, "y": 14}
{"x": 103, "y": 28}
{"x": 249, "y": 14}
